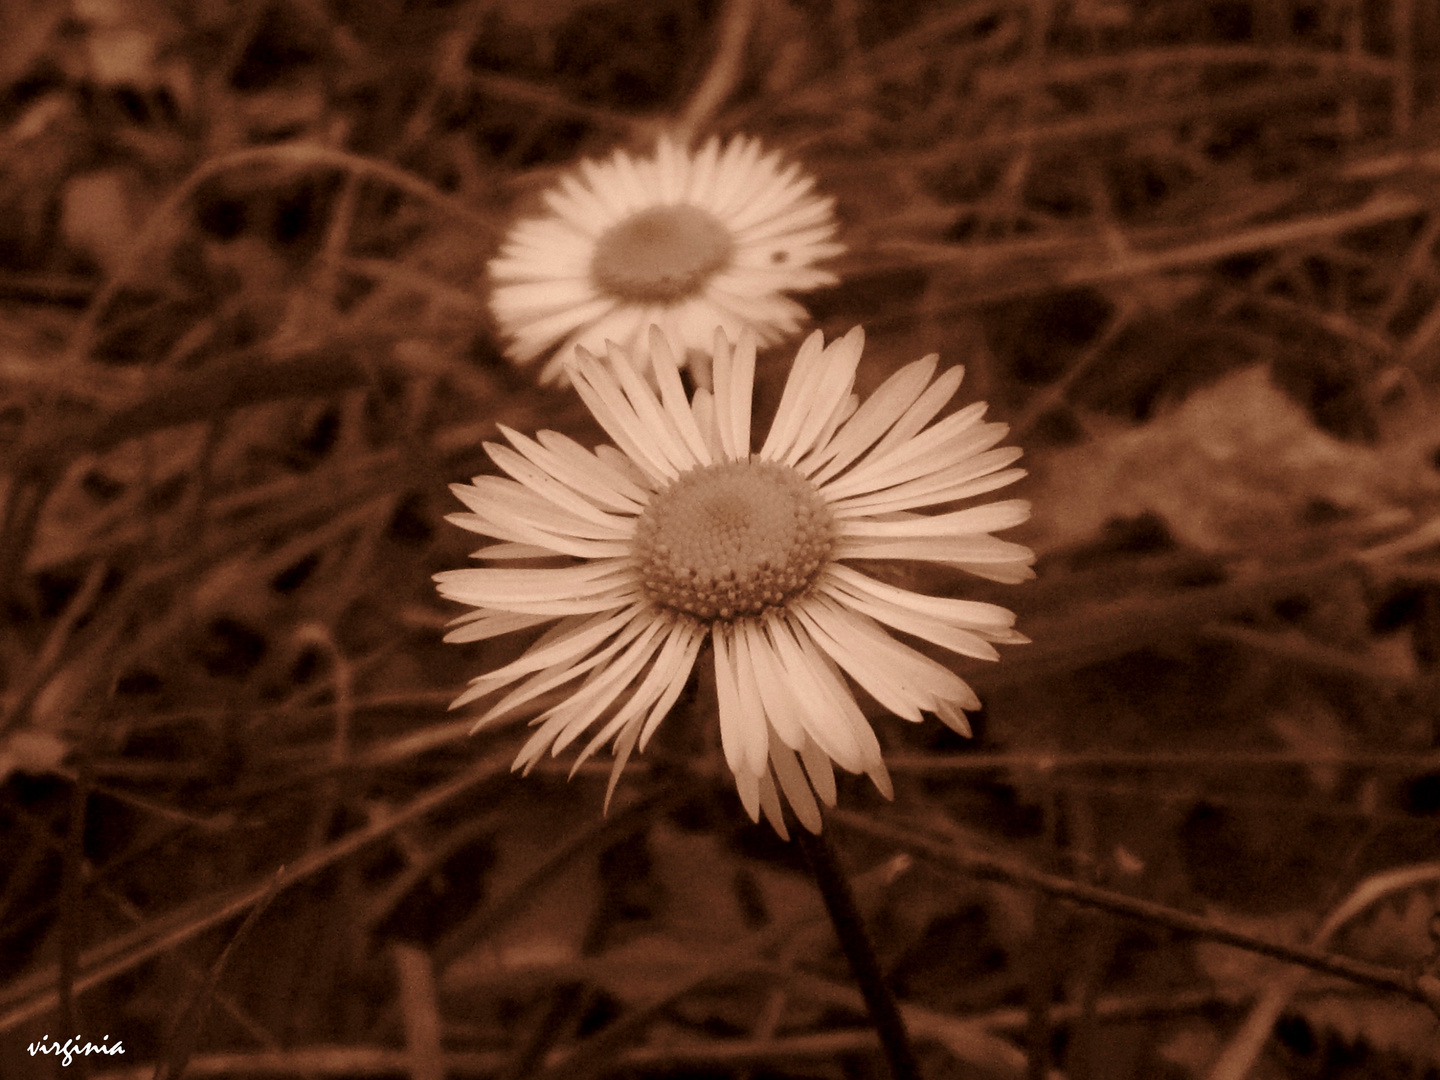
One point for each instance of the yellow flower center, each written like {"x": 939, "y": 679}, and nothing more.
{"x": 661, "y": 255}
{"x": 729, "y": 541}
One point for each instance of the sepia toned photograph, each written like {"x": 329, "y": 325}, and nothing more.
{"x": 720, "y": 539}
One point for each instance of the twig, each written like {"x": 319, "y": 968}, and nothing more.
{"x": 850, "y": 929}
{"x": 1176, "y": 57}
{"x": 420, "y": 1010}
{"x": 300, "y": 157}
{"x": 1239, "y": 1056}
{"x": 72, "y": 899}
{"x": 1413, "y": 762}
{"x": 340, "y": 1061}
{"x": 52, "y": 652}
{"x": 1402, "y": 15}
{"x": 490, "y": 917}
{"x": 249, "y": 377}
{"x": 34, "y": 994}
{"x": 997, "y": 868}
{"x": 724, "y": 71}
{"x": 1061, "y": 272}
{"x": 342, "y": 679}
{"x": 184, "y": 1035}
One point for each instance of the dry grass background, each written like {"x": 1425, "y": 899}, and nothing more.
{"x": 1189, "y": 248}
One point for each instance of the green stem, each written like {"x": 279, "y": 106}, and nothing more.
{"x": 850, "y": 929}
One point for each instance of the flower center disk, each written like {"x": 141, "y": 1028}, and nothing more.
{"x": 661, "y": 255}
{"x": 729, "y": 541}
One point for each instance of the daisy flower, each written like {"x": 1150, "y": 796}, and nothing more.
{"x": 686, "y": 241}
{"x": 679, "y": 535}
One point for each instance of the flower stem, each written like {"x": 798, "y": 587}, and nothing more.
{"x": 850, "y": 929}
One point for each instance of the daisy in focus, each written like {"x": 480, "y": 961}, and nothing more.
{"x": 684, "y": 240}
{"x": 679, "y": 535}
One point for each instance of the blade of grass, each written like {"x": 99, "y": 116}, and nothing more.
{"x": 184, "y": 1035}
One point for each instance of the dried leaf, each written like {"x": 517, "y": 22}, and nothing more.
{"x": 1404, "y": 1028}
{"x": 97, "y": 217}
{"x": 1235, "y": 464}
{"x": 31, "y": 752}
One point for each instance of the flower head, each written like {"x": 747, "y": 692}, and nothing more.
{"x": 679, "y": 534}
{"x": 684, "y": 240}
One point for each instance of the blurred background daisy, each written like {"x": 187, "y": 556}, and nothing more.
{"x": 686, "y": 240}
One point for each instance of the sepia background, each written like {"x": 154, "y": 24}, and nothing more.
{"x": 1188, "y": 249}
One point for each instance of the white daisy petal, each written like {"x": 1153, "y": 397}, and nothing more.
{"x": 703, "y": 406}
{"x": 974, "y": 614}
{"x": 504, "y": 586}
{"x": 849, "y": 651}
{"x": 750, "y": 700}
{"x": 988, "y": 518}
{"x": 694, "y": 322}
{"x": 580, "y": 207}
{"x": 739, "y": 167}
{"x": 834, "y": 735}
{"x": 836, "y": 378}
{"x": 531, "y": 539}
{"x": 691, "y": 636}
{"x": 954, "y": 718}
{"x": 778, "y": 197}
{"x": 509, "y": 552}
{"x": 791, "y": 411}
{"x": 699, "y": 188}
{"x": 743, "y": 736}
{"x": 925, "y": 408}
{"x": 580, "y": 470}
{"x": 929, "y": 677}
{"x": 983, "y": 474}
{"x": 842, "y": 412}
{"x": 495, "y": 587}
{"x": 794, "y": 784}
{"x": 604, "y": 181}
{"x": 672, "y": 397}
{"x": 603, "y": 688}
{"x": 842, "y": 706}
{"x": 548, "y": 487}
{"x": 487, "y": 624}
{"x": 742, "y": 391}
{"x": 757, "y": 661}
{"x": 870, "y": 420}
{"x": 544, "y": 680}
{"x": 769, "y": 803}
{"x": 954, "y": 437}
{"x": 521, "y": 517}
{"x": 670, "y": 664}
{"x": 621, "y": 323}
{"x": 616, "y": 481}
{"x": 626, "y": 174}
{"x": 821, "y": 772}
{"x": 722, "y": 358}
{"x": 909, "y": 621}
{"x": 562, "y": 650}
{"x": 607, "y": 403}
{"x": 623, "y": 745}
{"x": 649, "y": 414}
{"x": 967, "y": 551}
{"x": 810, "y": 227}
{"x": 533, "y": 338}
{"x": 670, "y": 170}
{"x": 538, "y": 299}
